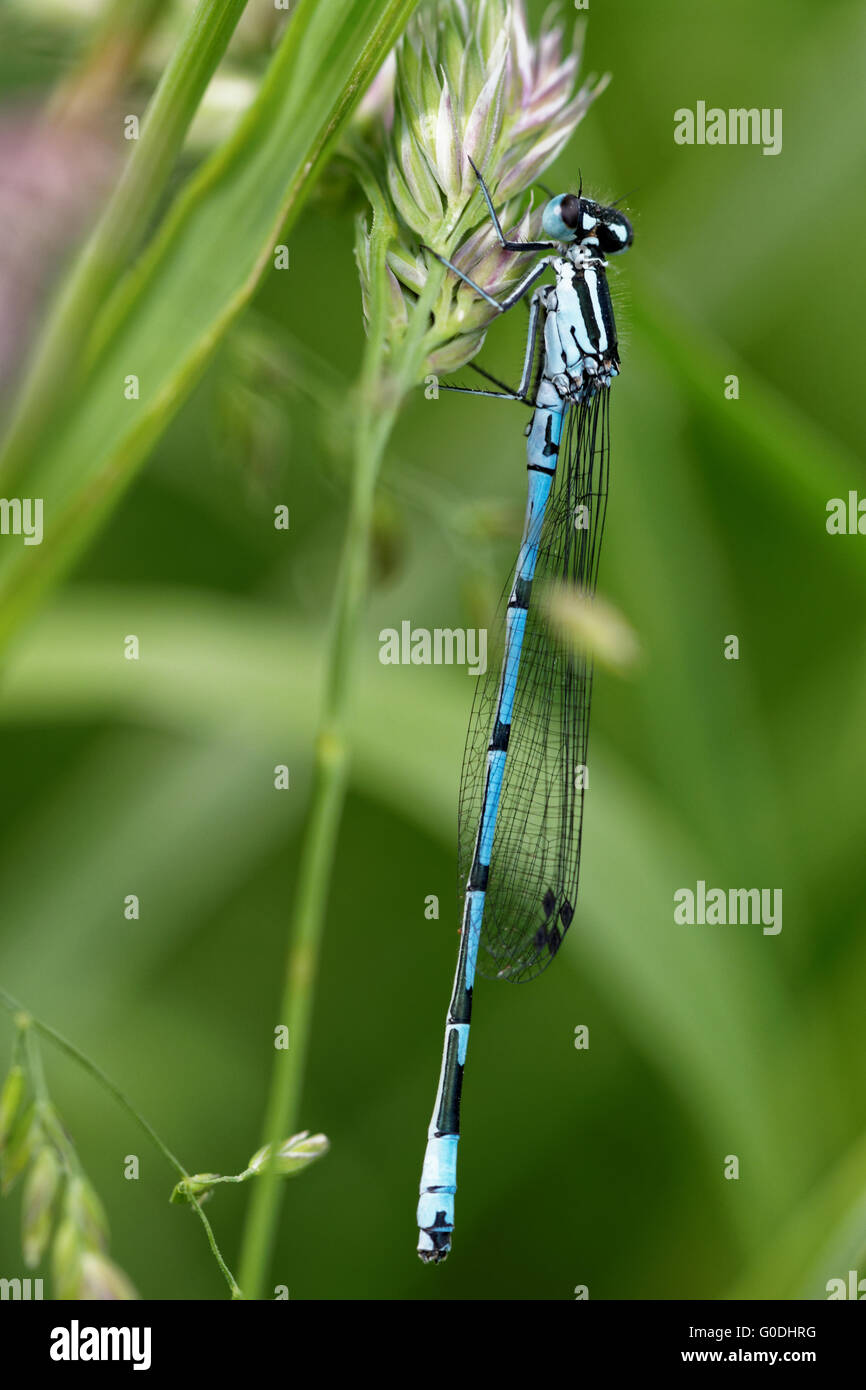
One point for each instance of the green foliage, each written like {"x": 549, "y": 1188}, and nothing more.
{"x": 155, "y": 777}
{"x": 61, "y": 1214}
{"x": 202, "y": 266}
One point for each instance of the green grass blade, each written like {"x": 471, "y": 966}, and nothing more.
{"x": 121, "y": 227}
{"x": 164, "y": 322}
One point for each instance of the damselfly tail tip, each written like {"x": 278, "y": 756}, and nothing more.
{"x": 434, "y": 1242}
{"x": 432, "y": 1257}
{"x": 435, "y": 1214}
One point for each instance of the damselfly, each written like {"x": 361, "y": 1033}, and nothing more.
{"x": 521, "y": 799}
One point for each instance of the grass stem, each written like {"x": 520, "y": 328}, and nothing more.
{"x": 382, "y": 389}
{"x": 45, "y": 1030}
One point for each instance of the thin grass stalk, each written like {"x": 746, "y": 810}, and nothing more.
{"x": 382, "y": 389}
{"x": 24, "y": 1018}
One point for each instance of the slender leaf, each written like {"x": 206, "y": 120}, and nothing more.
{"x": 163, "y": 324}
{"x": 121, "y": 227}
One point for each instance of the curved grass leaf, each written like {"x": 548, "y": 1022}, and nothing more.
{"x": 163, "y": 323}
{"x": 697, "y": 1005}
{"x": 120, "y": 230}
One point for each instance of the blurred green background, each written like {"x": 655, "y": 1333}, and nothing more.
{"x": 604, "y": 1167}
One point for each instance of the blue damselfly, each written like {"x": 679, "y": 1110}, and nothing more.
{"x": 521, "y": 798}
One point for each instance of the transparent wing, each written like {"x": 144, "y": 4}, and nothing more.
{"x": 535, "y": 862}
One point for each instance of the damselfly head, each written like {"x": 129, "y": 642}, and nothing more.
{"x": 572, "y": 218}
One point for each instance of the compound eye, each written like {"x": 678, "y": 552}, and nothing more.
{"x": 570, "y": 209}
{"x": 561, "y": 217}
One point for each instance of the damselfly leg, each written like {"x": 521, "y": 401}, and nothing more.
{"x": 503, "y": 239}
{"x": 523, "y": 392}
{"x": 513, "y": 297}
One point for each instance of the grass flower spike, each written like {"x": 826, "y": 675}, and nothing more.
{"x": 470, "y": 87}
{"x": 60, "y": 1211}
